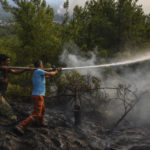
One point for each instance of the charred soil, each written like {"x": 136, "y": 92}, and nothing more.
{"x": 61, "y": 134}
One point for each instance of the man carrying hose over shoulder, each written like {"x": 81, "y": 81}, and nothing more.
{"x": 38, "y": 94}
{"x": 5, "y": 108}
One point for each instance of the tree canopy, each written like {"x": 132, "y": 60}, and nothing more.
{"x": 107, "y": 26}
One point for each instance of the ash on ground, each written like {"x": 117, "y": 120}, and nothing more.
{"x": 62, "y": 134}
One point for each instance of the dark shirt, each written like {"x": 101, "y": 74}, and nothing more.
{"x": 3, "y": 79}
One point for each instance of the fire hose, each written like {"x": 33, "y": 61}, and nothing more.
{"x": 121, "y": 63}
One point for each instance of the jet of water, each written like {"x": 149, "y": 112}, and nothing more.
{"x": 121, "y": 63}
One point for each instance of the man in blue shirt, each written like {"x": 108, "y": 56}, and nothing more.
{"x": 38, "y": 94}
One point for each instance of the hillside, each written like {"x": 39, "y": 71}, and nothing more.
{"x": 59, "y": 135}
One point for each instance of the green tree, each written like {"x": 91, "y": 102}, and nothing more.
{"x": 94, "y": 25}
{"x": 38, "y": 35}
{"x": 66, "y": 15}
{"x": 147, "y": 28}
{"x": 109, "y": 26}
{"x": 130, "y": 22}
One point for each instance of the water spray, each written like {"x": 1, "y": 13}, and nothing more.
{"x": 121, "y": 63}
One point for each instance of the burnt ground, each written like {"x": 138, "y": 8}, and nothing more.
{"x": 61, "y": 134}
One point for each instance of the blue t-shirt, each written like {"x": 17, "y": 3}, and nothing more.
{"x": 38, "y": 81}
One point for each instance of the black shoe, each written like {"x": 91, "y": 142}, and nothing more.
{"x": 19, "y": 130}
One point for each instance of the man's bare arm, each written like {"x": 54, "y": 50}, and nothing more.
{"x": 18, "y": 71}
{"x": 53, "y": 72}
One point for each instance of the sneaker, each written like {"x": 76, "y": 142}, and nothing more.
{"x": 19, "y": 129}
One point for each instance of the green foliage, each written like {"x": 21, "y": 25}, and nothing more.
{"x": 108, "y": 25}
{"x": 104, "y": 26}
{"x": 7, "y": 46}
{"x": 15, "y": 91}
{"x": 147, "y": 28}
{"x": 66, "y": 4}
{"x": 72, "y": 86}
{"x": 131, "y": 23}
{"x": 93, "y": 25}
{"x": 38, "y": 35}
{"x": 75, "y": 81}
{"x": 4, "y": 31}
{"x": 20, "y": 85}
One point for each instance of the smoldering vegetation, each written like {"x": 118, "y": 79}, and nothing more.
{"x": 134, "y": 77}
{"x": 98, "y": 109}
{"x": 112, "y": 100}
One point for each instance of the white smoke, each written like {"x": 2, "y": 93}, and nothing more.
{"x": 145, "y": 5}
{"x": 72, "y": 60}
{"x": 138, "y": 77}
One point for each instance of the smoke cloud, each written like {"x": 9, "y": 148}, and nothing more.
{"x": 138, "y": 76}
{"x": 74, "y": 60}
